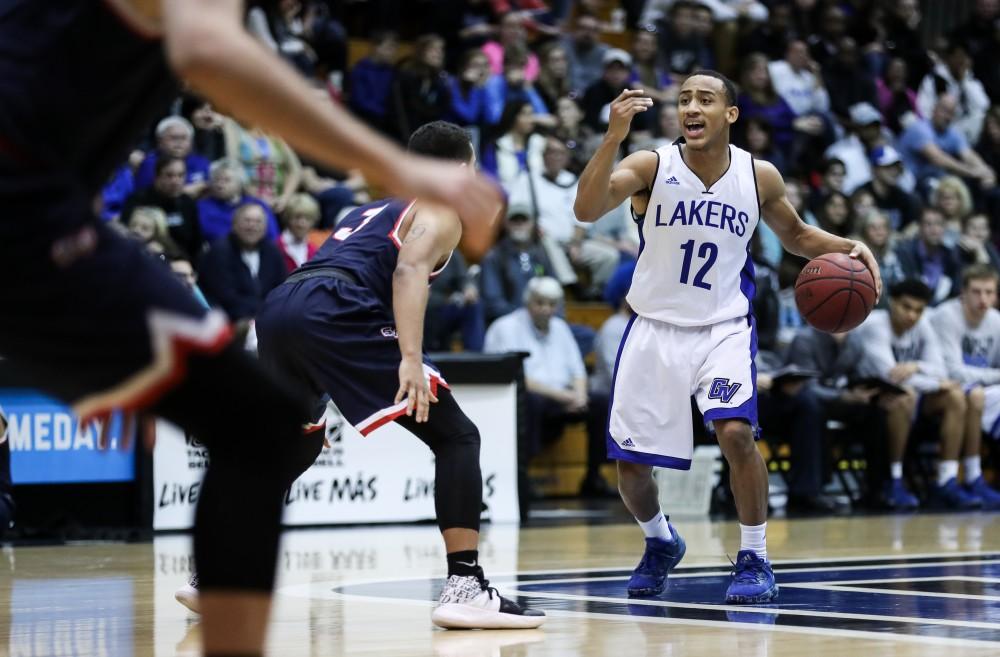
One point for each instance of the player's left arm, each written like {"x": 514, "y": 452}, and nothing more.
{"x": 797, "y": 236}
{"x": 434, "y": 231}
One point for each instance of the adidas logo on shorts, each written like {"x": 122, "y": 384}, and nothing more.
{"x": 628, "y": 443}
{"x": 672, "y": 180}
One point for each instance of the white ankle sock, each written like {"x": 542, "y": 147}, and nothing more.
{"x": 973, "y": 467}
{"x": 896, "y": 469}
{"x": 754, "y": 537}
{"x": 947, "y": 470}
{"x": 656, "y": 527}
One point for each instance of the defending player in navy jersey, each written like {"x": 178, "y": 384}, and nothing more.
{"x": 91, "y": 319}
{"x": 697, "y": 203}
{"x": 349, "y": 323}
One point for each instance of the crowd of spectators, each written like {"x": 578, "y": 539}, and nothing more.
{"x": 886, "y": 129}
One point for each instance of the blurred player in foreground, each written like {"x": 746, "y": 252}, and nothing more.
{"x": 90, "y": 319}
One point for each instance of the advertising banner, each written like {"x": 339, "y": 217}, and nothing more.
{"x": 387, "y": 476}
{"x": 48, "y": 445}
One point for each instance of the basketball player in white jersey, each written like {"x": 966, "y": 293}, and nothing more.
{"x": 697, "y": 203}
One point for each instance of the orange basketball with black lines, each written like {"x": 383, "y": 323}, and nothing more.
{"x": 835, "y": 292}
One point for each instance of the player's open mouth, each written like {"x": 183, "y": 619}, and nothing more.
{"x": 694, "y": 129}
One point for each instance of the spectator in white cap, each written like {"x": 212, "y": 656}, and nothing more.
{"x": 175, "y": 138}
{"x": 900, "y": 207}
{"x": 866, "y": 132}
{"x": 596, "y": 103}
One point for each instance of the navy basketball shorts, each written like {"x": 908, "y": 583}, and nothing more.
{"x": 337, "y": 338}
{"x": 90, "y": 317}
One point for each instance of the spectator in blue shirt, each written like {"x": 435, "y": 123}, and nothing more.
{"x": 117, "y": 191}
{"x": 225, "y": 194}
{"x": 934, "y": 148}
{"x": 469, "y": 106}
{"x": 371, "y": 80}
{"x": 175, "y": 138}
{"x": 511, "y": 87}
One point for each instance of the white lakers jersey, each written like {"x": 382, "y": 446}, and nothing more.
{"x": 694, "y": 264}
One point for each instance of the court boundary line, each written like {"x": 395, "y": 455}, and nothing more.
{"x": 333, "y": 590}
{"x": 729, "y": 625}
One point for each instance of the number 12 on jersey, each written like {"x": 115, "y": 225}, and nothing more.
{"x": 708, "y": 252}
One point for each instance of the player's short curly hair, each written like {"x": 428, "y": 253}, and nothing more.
{"x": 727, "y": 84}
{"x": 441, "y": 139}
{"x": 911, "y": 287}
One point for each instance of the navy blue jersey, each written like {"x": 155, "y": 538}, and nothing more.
{"x": 366, "y": 243}
{"x": 78, "y": 87}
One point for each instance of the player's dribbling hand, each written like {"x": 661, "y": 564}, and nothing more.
{"x": 413, "y": 387}
{"x": 865, "y": 255}
{"x": 623, "y": 108}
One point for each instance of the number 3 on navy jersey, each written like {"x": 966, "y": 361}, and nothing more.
{"x": 343, "y": 233}
{"x": 708, "y": 252}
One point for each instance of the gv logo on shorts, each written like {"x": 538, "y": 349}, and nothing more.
{"x": 723, "y": 389}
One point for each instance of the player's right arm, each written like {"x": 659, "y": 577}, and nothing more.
{"x": 603, "y": 186}
{"x": 208, "y": 47}
{"x": 433, "y": 233}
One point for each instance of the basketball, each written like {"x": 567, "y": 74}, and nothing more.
{"x": 835, "y": 292}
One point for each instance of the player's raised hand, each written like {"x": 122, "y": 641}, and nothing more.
{"x": 414, "y": 388}
{"x": 623, "y": 108}
{"x": 864, "y": 254}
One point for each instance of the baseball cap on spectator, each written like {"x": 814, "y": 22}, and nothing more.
{"x": 885, "y": 156}
{"x": 519, "y": 210}
{"x": 618, "y": 55}
{"x": 864, "y": 114}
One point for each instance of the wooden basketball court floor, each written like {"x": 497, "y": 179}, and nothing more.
{"x": 859, "y": 585}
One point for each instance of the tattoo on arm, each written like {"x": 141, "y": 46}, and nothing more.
{"x": 415, "y": 233}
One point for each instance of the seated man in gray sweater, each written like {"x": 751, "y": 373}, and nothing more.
{"x": 870, "y": 413}
{"x": 969, "y": 332}
{"x": 901, "y": 349}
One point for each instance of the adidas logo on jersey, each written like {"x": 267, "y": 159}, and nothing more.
{"x": 628, "y": 443}
{"x": 672, "y": 180}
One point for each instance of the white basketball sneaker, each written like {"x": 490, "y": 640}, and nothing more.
{"x": 470, "y": 603}
{"x": 187, "y": 595}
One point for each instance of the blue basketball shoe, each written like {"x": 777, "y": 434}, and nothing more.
{"x": 951, "y": 495}
{"x": 650, "y": 576}
{"x": 979, "y": 488}
{"x": 753, "y": 580}
{"x": 897, "y": 497}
